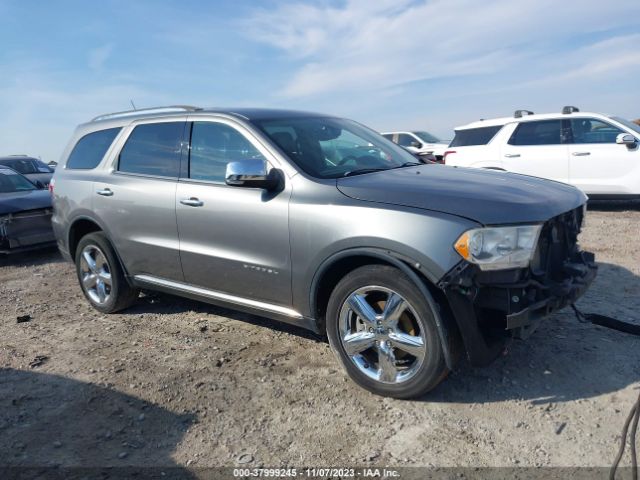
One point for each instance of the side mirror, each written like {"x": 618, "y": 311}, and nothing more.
{"x": 251, "y": 174}
{"x": 626, "y": 139}
{"x": 415, "y": 144}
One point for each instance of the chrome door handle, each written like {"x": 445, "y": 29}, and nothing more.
{"x": 581, "y": 154}
{"x": 192, "y": 202}
{"x": 105, "y": 192}
{"x": 512, "y": 155}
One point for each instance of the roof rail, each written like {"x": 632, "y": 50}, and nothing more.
{"x": 167, "y": 109}
{"x": 569, "y": 109}
{"x": 521, "y": 113}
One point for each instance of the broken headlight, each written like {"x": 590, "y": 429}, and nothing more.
{"x": 497, "y": 248}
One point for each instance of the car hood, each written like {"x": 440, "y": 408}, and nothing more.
{"x": 485, "y": 196}
{"x": 19, "y": 201}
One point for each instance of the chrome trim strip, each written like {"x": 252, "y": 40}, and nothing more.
{"x": 218, "y": 295}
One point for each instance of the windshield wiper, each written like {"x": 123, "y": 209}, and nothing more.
{"x": 409, "y": 164}
{"x": 363, "y": 170}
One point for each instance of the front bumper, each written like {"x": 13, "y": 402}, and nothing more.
{"x": 491, "y": 306}
{"x": 580, "y": 275}
{"x": 27, "y": 230}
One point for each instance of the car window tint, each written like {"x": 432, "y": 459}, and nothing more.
{"x": 10, "y": 181}
{"x": 91, "y": 148}
{"x": 388, "y": 136}
{"x": 42, "y": 167}
{"x": 474, "y": 136}
{"x": 544, "y": 132}
{"x": 590, "y": 130}
{"x": 153, "y": 149}
{"x": 405, "y": 140}
{"x": 213, "y": 146}
{"x": 22, "y": 165}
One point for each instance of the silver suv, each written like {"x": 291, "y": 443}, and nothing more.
{"x": 323, "y": 223}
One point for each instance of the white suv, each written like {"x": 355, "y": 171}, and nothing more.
{"x": 419, "y": 142}
{"x": 597, "y": 153}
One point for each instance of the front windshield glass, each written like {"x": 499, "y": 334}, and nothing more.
{"x": 630, "y": 125}
{"x": 11, "y": 181}
{"x": 334, "y": 147}
{"x": 426, "y": 137}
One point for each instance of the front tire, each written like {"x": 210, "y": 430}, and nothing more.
{"x": 384, "y": 333}
{"x": 100, "y": 275}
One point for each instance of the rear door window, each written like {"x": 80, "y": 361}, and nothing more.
{"x": 543, "y": 132}
{"x": 590, "y": 130}
{"x": 474, "y": 136}
{"x": 213, "y": 146}
{"x": 153, "y": 149}
{"x": 91, "y": 148}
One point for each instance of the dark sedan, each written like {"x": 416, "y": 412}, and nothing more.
{"x": 25, "y": 213}
{"x": 32, "y": 168}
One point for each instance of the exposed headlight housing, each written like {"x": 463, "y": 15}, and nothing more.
{"x": 499, "y": 248}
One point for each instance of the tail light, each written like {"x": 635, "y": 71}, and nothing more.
{"x": 448, "y": 152}
{"x": 51, "y": 185}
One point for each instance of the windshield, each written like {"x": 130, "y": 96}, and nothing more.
{"x": 11, "y": 181}
{"x": 334, "y": 147}
{"x": 26, "y": 166}
{"x": 630, "y": 125}
{"x": 426, "y": 137}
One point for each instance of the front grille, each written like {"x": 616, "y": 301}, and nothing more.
{"x": 558, "y": 243}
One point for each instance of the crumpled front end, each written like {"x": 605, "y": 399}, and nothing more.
{"x": 26, "y": 230}
{"x": 491, "y": 306}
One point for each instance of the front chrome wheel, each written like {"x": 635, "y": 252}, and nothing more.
{"x": 382, "y": 334}
{"x": 95, "y": 274}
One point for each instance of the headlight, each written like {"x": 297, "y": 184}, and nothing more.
{"x": 500, "y": 247}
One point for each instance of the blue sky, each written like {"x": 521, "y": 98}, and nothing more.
{"x": 388, "y": 63}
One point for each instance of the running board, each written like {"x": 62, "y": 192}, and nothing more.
{"x": 215, "y": 295}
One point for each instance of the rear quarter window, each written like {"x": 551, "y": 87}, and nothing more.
{"x": 474, "y": 136}
{"x": 91, "y": 148}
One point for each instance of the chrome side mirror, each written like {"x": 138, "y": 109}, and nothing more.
{"x": 251, "y": 174}
{"x": 626, "y": 139}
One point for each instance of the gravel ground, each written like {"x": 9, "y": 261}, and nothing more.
{"x": 172, "y": 382}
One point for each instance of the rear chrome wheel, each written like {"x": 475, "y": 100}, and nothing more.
{"x": 95, "y": 274}
{"x": 382, "y": 335}
{"x": 100, "y": 275}
{"x": 384, "y": 332}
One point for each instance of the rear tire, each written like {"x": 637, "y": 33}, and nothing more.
{"x": 100, "y": 275}
{"x": 384, "y": 333}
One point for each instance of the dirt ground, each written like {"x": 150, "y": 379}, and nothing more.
{"x": 172, "y": 382}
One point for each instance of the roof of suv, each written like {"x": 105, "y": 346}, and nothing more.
{"x": 491, "y": 122}
{"x": 180, "y": 110}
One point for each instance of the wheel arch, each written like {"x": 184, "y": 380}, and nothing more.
{"x": 83, "y": 226}
{"x": 341, "y": 263}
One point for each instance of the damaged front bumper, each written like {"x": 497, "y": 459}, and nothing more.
{"x": 26, "y": 230}
{"x": 492, "y": 306}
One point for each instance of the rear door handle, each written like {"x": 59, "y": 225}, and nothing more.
{"x": 581, "y": 154}
{"x": 105, "y": 192}
{"x": 512, "y": 155}
{"x": 192, "y": 202}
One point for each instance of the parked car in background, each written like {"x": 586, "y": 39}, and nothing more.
{"x": 419, "y": 142}
{"x": 25, "y": 213}
{"x": 320, "y": 222}
{"x": 32, "y": 168}
{"x": 597, "y": 153}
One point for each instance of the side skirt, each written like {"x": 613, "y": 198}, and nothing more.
{"x": 269, "y": 310}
